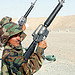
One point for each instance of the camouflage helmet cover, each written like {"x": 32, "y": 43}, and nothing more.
{"x": 9, "y": 29}
{"x": 5, "y": 20}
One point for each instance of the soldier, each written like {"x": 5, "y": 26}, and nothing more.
{"x": 5, "y": 20}
{"x": 13, "y": 61}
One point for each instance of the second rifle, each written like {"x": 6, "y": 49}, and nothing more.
{"x": 22, "y": 20}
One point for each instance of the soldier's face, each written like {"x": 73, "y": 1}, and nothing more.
{"x": 15, "y": 40}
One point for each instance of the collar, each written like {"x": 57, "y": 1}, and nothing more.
{"x": 10, "y": 46}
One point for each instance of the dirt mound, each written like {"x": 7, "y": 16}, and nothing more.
{"x": 59, "y": 23}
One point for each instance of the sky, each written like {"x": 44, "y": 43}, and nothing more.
{"x": 42, "y": 8}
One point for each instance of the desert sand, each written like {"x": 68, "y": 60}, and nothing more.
{"x": 61, "y": 43}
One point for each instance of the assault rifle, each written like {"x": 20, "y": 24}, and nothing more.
{"x": 42, "y": 32}
{"x": 22, "y": 20}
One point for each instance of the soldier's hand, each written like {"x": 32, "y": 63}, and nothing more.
{"x": 42, "y": 44}
{"x": 24, "y": 27}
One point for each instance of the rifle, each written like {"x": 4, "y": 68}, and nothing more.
{"x": 42, "y": 32}
{"x": 22, "y": 20}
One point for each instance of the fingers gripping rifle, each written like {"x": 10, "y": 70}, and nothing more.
{"x": 23, "y": 19}
{"x": 42, "y": 32}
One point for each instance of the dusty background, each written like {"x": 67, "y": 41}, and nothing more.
{"x": 61, "y": 43}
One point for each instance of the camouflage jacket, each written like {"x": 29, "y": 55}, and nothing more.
{"x": 13, "y": 62}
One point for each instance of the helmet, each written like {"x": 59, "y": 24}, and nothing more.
{"x": 8, "y": 30}
{"x": 5, "y": 20}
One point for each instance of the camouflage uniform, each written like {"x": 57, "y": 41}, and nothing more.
{"x": 13, "y": 60}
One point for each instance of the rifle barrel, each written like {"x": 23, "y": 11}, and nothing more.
{"x": 29, "y": 10}
{"x": 52, "y": 15}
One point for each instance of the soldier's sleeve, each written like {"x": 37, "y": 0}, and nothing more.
{"x": 17, "y": 64}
